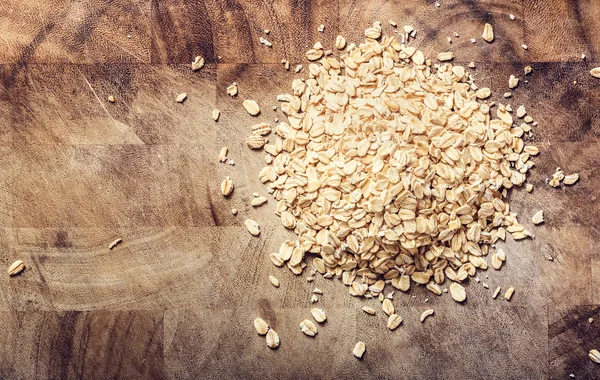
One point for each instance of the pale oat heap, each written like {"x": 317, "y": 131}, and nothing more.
{"x": 391, "y": 167}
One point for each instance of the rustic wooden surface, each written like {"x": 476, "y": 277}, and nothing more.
{"x": 177, "y": 298}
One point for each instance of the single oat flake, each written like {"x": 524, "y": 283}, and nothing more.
{"x": 115, "y": 243}
{"x": 272, "y": 339}
{"x": 458, "y": 292}
{"x": 394, "y": 321}
{"x": 594, "y": 356}
{"x": 426, "y": 314}
{"x": 261, "y": 326}
{"x": 232, "y": 89}
{"x": 16, "y": 268}
{"x": 274, "y": 281}
{"x": 318, "y": 314}
{"x": 252, "y": 227}
{"x": 227, "y": 187}
{"x": 359, "y": 350}
{"x": 488, "y": 33}
{"x": 198, "y": 63}
{"x": 308, "y": 328}
{"x": 251, "y": 107}
{"x": 538, "y": 217}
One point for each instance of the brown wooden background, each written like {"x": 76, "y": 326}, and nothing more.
{"x": 176, "y": 300}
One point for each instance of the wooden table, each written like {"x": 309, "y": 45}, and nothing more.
{"x": 177, "y": 298}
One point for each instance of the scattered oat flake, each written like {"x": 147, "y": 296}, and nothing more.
{"x": 252, "y": 227}
{"x": 446, "y": 56}
{"x": 16, "y": 268}
{"x": 394, "y": 321}
{"x": 259, "y": 201}
{"x": 594, "y": 356}
{"x": 227, "y": 187}
{"x": 513, "y": 82}
{"x": 529, "y": 187}
{"x": 298, "y": 68}
{"x": 251, "y": 107}
{"x": 272, "y": 339}
{"x": 591, "y": 320}
{"x": 216, "y": 114}
{"x": 496, "y": 292}
{"x": 274, "y": 281}
{"x": 340, "y": 42}
{"x": 314, "y": 298}
{"x": 318, "y": 314}
{"x": 265, "y": 42}
{"x": 426, "y": 314}
{"x": 595, "y": 72}
{"x": 388, "y": 307}
{"x": 198, "y": 63}
{"x": 571, "y": 179}
{"x": 458, "y": 292}
{"x": 538, "y": 217}
{"x": 308, "y": 328}
{"x": 234, "y": 211}
{"x": 527, "y": 70}
{"x": 181, "y": 97}
{"x": 232, "y": 89}
{"x": 321, "y": 28}
{"x": 393, "y": 23}
{"x": 368, "y": 310}
{"x": 488, "y": 33}
{"x": 509, "y": 293}
{"x": 524, "y": 47}
{"x": 261, "y": 326}
{"x": 511, "y": 16}
{"x": 223, "y": 154}
{"x": 359, "y": 350}
{"x": 115, "y": 243}
{"x": 317, "y": 291}
{"x": 111, "y": 98}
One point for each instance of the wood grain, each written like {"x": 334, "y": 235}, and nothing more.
{"x": 69, "y": 345}
{"x": 176, "y": 299}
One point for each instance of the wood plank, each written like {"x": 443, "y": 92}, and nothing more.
{"x": 554, "y": 96}
{"x": 67, "y": 104}
{"x": 76, "y": 172}
{"x": 570, "y": 337}
{"x": 562, "y": 30}
{"x": 90, "y": 345}
{"x": 95, "y": 186}
{"x": 208, "y": 338}
{"x": 466, "y": 18}
{"x": 83, "y": 32}
{"x": 181, "y": 30}
{"x": 238, "y": 25}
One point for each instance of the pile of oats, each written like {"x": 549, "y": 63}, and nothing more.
{"x": 392, "y": 168}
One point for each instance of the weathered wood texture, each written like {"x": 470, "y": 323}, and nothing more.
{"x": 177, "y": 298}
